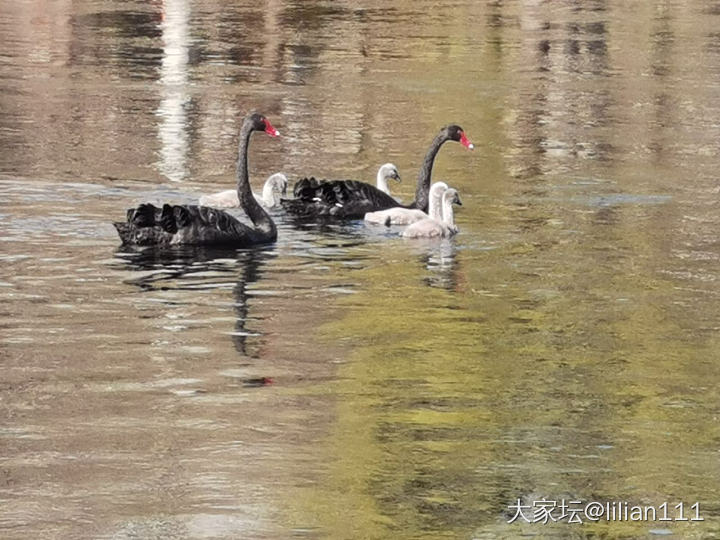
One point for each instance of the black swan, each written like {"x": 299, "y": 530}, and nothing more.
{"x": 148, "y": 225}
{"x": 437, "y": 228}
{"x": 386, "y": 172}
{"x": 349, "y": 199}
{"x": 341, "y": 199}
{"x": 274, "y": 189}
{"x": 407, "y": 216}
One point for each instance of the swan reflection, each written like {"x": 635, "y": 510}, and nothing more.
{"x": 196, "y": 269}
{"x": 441, "y": 264}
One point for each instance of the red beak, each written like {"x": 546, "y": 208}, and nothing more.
{"x": 270, "y": 130}
{"x": 466, "y": 142}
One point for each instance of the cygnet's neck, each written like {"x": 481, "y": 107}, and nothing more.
{"x": 382, "y": 183}
{"x": 435, "y": 204}
{"x": 271, "y": 193}
{"x": 448, "y": 215}
{"x": 273, "y": 190}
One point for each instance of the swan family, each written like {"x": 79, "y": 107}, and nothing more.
{"x": 430, "y": 215}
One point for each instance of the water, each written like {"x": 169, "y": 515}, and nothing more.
{"x": 344, "y": 382}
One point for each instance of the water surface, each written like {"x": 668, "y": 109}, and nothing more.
{"x": 344, "y": 382}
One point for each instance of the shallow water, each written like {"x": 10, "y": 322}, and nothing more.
{"x": 344, "y": 382}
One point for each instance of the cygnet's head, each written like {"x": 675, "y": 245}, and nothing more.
{"x": 279, "y": 183}
{"x": 451, "y": 195}
{"x": 274, "y": 189}
{"x": 437, "y": 189}
{"x": 389, "y": 171}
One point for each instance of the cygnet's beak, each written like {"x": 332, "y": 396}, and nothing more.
{"x": 457, "y": 200}
{"x": 396, "y": 177}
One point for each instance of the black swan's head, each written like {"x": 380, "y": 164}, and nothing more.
{"x": 456, "y": 133}
{"x": 260, "y": 123}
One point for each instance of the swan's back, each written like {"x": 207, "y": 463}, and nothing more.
{"x": 427, "y": 228}
{"x": 276, "y": 183}
{"x": 407, "y": 216}
{"x": 222, "y": 199}
{"x": 395, "y": 216}
{"x": 148, "y": 225}
{"x": 344, "y": 199}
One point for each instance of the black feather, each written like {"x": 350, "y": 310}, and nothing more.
{"x": 336, "y": 199}
{"x": 143, "y": 215}
{"x": 167, "y": 219}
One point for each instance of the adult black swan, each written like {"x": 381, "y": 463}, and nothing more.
{"x": 148, "y": 225}
{"x": 349, "y": 199}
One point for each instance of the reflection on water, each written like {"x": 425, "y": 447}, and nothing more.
{"x": 346, "y": 382}
{"x": 174, "y": 80}
{"x": 201, "y": 269}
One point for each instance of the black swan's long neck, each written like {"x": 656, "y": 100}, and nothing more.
{"x": 425, "y": 175}
{"x": 256, "y": 213}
